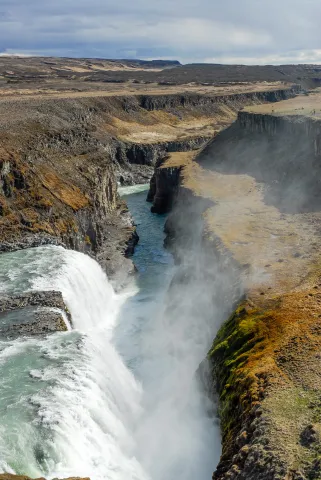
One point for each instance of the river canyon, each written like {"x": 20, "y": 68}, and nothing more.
{"x": 173, "y": 337}
{"x": 120, "y": 385}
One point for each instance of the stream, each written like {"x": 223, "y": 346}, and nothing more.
{"x": 116, "y": 397}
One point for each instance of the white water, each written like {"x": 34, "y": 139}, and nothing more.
{"x": 100, "y": 404}
{"x": 114, "y": 399}
{"x": 128, "y": 190}
{"x": 84, "y": 415}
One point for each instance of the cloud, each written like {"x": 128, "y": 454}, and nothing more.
{"x": 233, "y": 31}
{"x": 291, "y": 57}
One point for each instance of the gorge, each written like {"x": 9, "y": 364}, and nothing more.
{"x": 69, "y": 416}
{"x": 143, "y": 372}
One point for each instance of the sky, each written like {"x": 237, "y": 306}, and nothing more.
{"x": 211, "y": 31}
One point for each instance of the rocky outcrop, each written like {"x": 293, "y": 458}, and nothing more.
{"x": 49, "y": 298}
{"x": 137, "y": 161}
{"x": 150, "y": 154}
{"x": 33, "y": 313}
{"x": 164, "y": 183}
{"x": 163, "y": 187}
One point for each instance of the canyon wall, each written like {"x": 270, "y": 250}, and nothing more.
{"x": 164, "y": 182}
{"x": 61, "y": 159}
{"x": 59, "y": 166}
{"x": 258, "y": 230}
{"x": 58, "y": 186}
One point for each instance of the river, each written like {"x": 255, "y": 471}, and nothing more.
{"x": 115, "y": 397}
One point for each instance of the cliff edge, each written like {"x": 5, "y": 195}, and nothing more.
{"x": 260, "y": 179}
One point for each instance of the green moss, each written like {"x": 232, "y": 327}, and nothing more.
{"x": 238, "y": 338}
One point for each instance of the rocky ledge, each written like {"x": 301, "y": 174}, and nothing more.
{"x": 33, "y": 313}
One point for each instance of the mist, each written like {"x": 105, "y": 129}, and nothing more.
{"x": 164, "y": 337}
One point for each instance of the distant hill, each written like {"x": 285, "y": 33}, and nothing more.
{"x": 42, "y": 70}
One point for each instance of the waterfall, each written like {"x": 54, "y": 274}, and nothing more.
{"x": 81, "y": 403}
{"x": 116, "y": 397}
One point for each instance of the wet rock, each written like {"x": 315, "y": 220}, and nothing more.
{"x": 33, "y": 313}
{"x": 32, "y": 322}
{"x": 29, "y": 241}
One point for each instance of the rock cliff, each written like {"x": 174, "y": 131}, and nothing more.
{"x": 58, "y": 183}
{"x": 164, "y": 182}
{"x": 259, "y": 184}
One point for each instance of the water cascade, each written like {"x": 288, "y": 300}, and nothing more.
{"x": 116, "y": 397}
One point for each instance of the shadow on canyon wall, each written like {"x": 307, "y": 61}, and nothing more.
{"x": 281, "y": 152}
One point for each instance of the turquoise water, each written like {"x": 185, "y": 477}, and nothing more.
{"x": 154, "y": 272}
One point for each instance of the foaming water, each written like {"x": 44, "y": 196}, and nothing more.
{"x": 116, "y": 398}
{"x": 68, "y": 401}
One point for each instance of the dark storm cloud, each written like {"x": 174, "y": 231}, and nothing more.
{"x": 246, "y": 31}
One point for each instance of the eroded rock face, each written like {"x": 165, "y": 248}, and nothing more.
{"x": 33, "y": 313}
{"x": 165, "y": 181}
{"x": 58, "y": 183}
{"x": 138, "y": 162}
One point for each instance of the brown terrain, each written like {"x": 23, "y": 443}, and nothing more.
{"x": 71, "y": 129}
